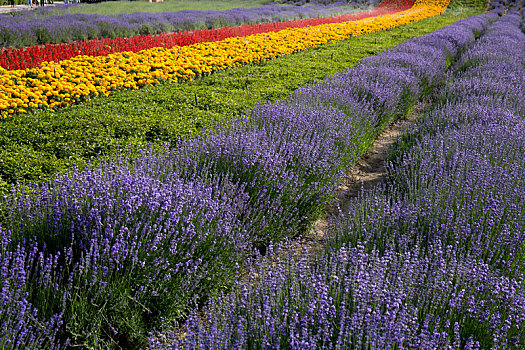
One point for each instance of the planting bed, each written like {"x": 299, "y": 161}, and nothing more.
{"x": 51, "y": 25}
{"x": 55, "y": 84}
{"x": 180, "y": 245}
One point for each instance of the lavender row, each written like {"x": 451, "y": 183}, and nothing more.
{"x": 42, "y": 27}
{"x": 502, "y": 6}
{"x": 353, "y": 298}
{"x": 433, "y": 259}
{"x": 465, "y": 158}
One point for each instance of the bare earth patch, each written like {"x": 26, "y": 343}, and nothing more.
{"x": 368, "y": 172}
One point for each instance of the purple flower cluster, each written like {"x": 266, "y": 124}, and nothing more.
{"x": 287, "y": 155}
{"x": 502, "y": 6}
{"x": 353, "y": 298}
{"x": 20, "y": 323}
{"x": 431, "y": 259}
{"x": 35, "y": 27}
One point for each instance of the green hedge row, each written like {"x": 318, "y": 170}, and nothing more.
{"x": 34, "y": 146}
{"x": 480, "y": 5}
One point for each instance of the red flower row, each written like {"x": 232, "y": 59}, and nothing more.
{"x": 32, "y": 56}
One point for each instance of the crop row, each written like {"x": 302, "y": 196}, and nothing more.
{"x": 431, "y": 260}
{"x": 30, "y": 57}
{"x": 56, "y": 84}
{"x": 44, "y": 27}
{"x": 106, "y": 254}
{"x": 502, "y": 6}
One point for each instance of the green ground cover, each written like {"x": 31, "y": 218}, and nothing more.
{"x": 34, "y": 146}
{"x": 116, "y": 7}
{"x": 468, "y": 4}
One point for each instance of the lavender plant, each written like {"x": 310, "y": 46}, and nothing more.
{"x": 22, "y": 323}
{"x": 353, "y": 298}
{"x": 289, "y": 156}
{"x": 110, "y": 252}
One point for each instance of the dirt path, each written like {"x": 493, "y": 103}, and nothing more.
{"x": 369, "y": 171}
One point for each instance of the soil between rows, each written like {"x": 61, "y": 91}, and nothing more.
{"x": 368, "y": 172}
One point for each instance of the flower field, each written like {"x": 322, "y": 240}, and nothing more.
{"x": 32, "y": 56}
{"x": 185, "y": 245}
{"x": 55, "y": 84}
{"x": 433, "y": 260}
{"x": 53, "y": 26}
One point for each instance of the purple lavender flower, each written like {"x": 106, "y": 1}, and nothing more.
{"x": 139, "y": 241}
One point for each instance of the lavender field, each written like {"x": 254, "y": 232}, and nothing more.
{"x": 201, "y": 243}
{"x": 430, "y": 260}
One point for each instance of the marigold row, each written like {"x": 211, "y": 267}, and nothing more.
{"x": 32, "y": 56}
{"x": 55, "y": 84}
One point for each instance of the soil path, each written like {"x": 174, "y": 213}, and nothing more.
{"x": 369, "y": 171}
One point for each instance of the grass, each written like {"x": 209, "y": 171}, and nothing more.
{"x": 116, "y": 7}
{"x": 34, "y": 146}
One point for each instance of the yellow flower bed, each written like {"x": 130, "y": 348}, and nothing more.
{"x": 55, "y": 84}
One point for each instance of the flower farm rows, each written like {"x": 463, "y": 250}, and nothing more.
{"x": 99, "y": 257}
{"x": 434, "y": 259}
{"x": 36, "y": 145}
{"x": 214, "y": 182}
{"x": 55, "y": 84}
{"x": 30, "y": 57}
